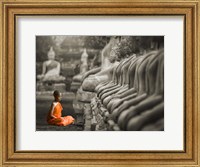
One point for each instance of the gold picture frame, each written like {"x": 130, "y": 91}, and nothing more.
{"x": 190, "y": 156}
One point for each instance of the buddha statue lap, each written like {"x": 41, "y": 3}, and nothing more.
{"x": 155, "y": 126}
{"x": 146, "y": 117}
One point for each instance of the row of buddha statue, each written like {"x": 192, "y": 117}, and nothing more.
{"x": 130, "y": 91}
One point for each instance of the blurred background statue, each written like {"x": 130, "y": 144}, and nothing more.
{"x": 51, "y": 69}
{"x": 84, "y": 61}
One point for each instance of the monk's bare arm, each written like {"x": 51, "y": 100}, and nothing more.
{"x": 51, "y": 110}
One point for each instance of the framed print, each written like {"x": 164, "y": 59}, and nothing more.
{"x": 99, "y": 83}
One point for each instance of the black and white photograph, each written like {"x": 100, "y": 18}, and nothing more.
{"x": 99, "y": 83}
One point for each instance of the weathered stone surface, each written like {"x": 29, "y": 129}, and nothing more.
{"x": 103, "y": 110}
{"x": 101, "y": 126}
{"x": 98, "y": 114}
{"x": 96, "y": 110}
{"x": 51, "y": 87}
{"x": 61, "y": 87}
{"x": 79, "y": 119}
{"x": 77, "y": 78}
{"x": 111, "y": 124}
{"x": 48, "y": 95}
{"x": 116, "y": 128}
{"x": 87, "y": 117}
{"x": 87, "y": 125}
{"x": 78, "y": 106}
{"x": 75, "y": 86}
{"x": 93, "y": 122}
{"x": 84, "y": 96}
{"x": 87, "y": 128}
{"x": 89, "y": 84}
{"x": 87, "y": 111}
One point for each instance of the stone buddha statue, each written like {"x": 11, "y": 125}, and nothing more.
{"x": 151, "y": 106}
{"x": 84, "y": 61}
{"x": 138, "y": 73}
{"x": 83, "y": 66}
{"x": 106, "y": 73}
{"x": 115, "y": 82}
{"x": 51, "y": 69}
{"x": 122, "y": 83}
{"x": 124, "y": 94}
{"x": 136, "y": 91}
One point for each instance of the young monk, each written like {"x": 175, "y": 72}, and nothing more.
{"x": 55, "y": 114}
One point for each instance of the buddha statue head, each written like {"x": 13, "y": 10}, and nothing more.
{"x": 51, "y": 54}
{"x": 114, "y": 54}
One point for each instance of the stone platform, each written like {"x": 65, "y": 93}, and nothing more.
{"x": 75, "y": 86}
{"x": 43, "y": 87}
{"x": 82, "y": 108}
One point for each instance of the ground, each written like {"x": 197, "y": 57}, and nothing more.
{"x": 43, "y": 103}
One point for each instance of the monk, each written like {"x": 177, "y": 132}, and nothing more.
{"x": 55, "y": 114}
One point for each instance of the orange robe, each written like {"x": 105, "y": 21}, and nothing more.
{"x": 59, "y": 120}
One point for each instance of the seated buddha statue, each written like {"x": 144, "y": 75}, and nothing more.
{"x": 106, "y": 65}
{"x": 83, "y": 66}
{"x": 119, "y": 97}
{"x": 106, "y": 74}
{"x": 50, "y": 69}
{"x": 94, "y": 67}
{"x": 84, "y": 62}
{"x": 124, "y": 51}
{"x": 114, "y": 83}
{"x": 151, "y": 115}
{"x": 122, "y": 101}
{"x": 139, "y": 84}
{"x": 118, "y": 80}
{"x": 123, "y": 82}
{"x": 109, "y": 84}
{"x": 152, "y": 107}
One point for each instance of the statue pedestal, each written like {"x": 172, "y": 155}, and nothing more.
{"x": 87, "y": 117}
{"x": 97, "y": 114}
{"x": 84, "y": 96}
{"x": 74, "y": 86}
{"x": 51, "y": 87}
{"x": 82, "y": 107}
